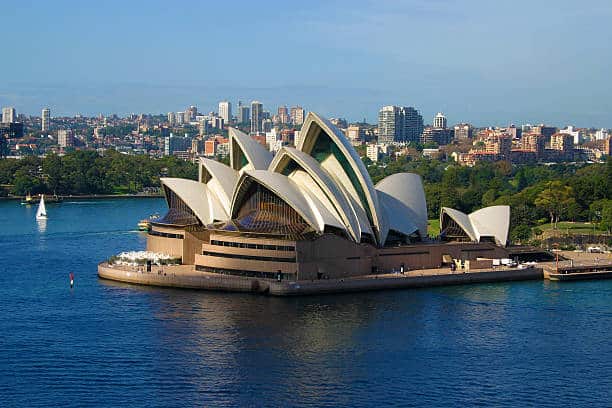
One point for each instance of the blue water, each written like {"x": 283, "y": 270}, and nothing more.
{"x": 109, "y": 344}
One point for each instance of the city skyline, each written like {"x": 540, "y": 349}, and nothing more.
{"x": 464, "y": 66}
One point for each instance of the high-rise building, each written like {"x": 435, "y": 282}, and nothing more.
{"x": 171, "y": 118}
{"x": 244, "y": 114}
{"x": 399, "y": 124}
{"x": 546, "y": 131}
{"x": 373, "y": 152}
{"x": 562, "y": 142}
{"x": 256, "y": 116}
{"x": 463, "y": 131}
{"x": 297, "y": 115}
{"x": 576, "y": 134}
{"x": 601, "y": 134}
{"x": 191, "y": 113}
{"x": 12, "y": 130}
{"x": 180, "y": 118}
{"x": 412, "y": 124}
{"x": 533, "y": 142}
{"x": 266, "y": 125}
{"x": 225, "y": 111}
{"x": 64, "y": 138}
{"x": 441, "y": 136}
{"x": 216, "y": 122}
{"x": 196, "y": 146}
{"x": 513, "y": 131}
{"x": 9, "y": 115}
{"x": 439, "y": 121}
{"x": 174, "y": 144}
{"x": 283, "y": 115}
{"x": 356, "y": 134}
{"x": 389, "y": 124}
{"x": 45, "y": 123}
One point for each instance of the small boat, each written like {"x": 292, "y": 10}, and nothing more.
{"x": 27, "y": 200}
{"x": 41, "y": 214}
{"x": 145, "y": 225}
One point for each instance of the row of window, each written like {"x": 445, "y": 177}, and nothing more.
{"x": 249, "y": 257}
{"x": 250, "y": 274}
{"x": 165, "y": 234}
{"x": 252, "y": 246}
{"x": 405, "y": 253}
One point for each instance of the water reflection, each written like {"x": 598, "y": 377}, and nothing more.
{"x": 244, "y": 338}
{"x": 42, "y": 225}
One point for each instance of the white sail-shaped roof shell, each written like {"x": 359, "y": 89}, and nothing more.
{"x": 306, "y": 204}
{"x": 407, "y": 189}
{"x": 311, "y": 130}
{"x": 397, "y": 215}
{"x": 257, "y": 156}
{"x": 339, "y": 202}
{"x": 220, "y": 179}
{"x": 487, "y": 222}
{"x": 493, "y": 222}
{"x": 198, "y": 197}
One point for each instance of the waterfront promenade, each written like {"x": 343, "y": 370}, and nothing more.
{"x": 185, "y": 276}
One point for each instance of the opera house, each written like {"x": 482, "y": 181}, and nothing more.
{"x": 311, "y": 213}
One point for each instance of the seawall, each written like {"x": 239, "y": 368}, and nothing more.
{"x": 186, "y": 277}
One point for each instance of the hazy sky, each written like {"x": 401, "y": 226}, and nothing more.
{"x": 483, "y": 61}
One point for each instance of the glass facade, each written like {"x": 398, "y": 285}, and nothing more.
{"x": 250, "y": 274}
{"x": 451, "y": 231}
{"x": 265, "y": 212}
{"x": 178, "y": 213}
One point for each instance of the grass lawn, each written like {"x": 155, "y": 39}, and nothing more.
{"x": 433, "y": 228}
{"x": 572, "y": 227}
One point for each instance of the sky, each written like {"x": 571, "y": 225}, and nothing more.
{"x": 479, "y": 61}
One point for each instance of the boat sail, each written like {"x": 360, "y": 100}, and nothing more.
{"x": 41, "y": 214}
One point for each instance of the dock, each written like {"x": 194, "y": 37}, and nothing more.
{"x": 579, "y": 266}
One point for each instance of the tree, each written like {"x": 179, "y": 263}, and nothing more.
{"x": 606, "y": 216}
{"x": 521, "y": 233}
{"x": 556, "y": 199}
{"x": 601, "y": 212}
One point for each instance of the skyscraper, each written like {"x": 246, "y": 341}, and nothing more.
{"x": 283, "y": 115}
{"x": 171, "y": 118}
{"x": 256, "y": 116}
{"x": 389, "y": 124}
{"x": 191, "y": 113}
{"x": 297, "y": 115}
{"x": 45, "y": 119}
{"x": 412, "y": 124}
{"x": 399, "y": 124}
{"x": 244, "y": 114}
{"x": 8, "y": 115}
{"x": 439, "y": 121}
{"x": 225, "y": 111}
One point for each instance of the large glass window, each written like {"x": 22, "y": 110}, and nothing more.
{"x": 265, "y": 212}
{"x": 451, "y": 231}
{"x": 178, "y": 213}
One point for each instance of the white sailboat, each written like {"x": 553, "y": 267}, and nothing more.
{"x": 41, "y": 214}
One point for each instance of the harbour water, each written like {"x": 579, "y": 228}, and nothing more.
{"x": 109, "y": 344}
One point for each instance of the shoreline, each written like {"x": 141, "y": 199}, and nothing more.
{"x": 186, "y": 277}
{"x": 90, "y": 196}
